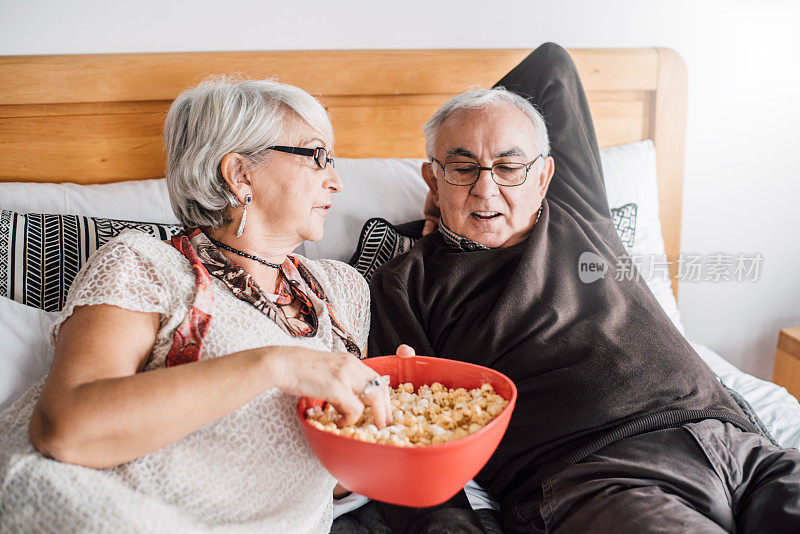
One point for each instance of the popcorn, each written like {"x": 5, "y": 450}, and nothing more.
{"x": 432, "y": 415}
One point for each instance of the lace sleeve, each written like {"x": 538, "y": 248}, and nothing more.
{"x": 351, "y": 291}
{"x": 117, "y": 274}
{"x": 362, "y": 315}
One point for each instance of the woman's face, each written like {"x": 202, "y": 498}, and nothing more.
{"x": 291, "y": 194}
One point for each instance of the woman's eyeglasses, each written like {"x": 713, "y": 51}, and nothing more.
{"x": 319, "y": 154}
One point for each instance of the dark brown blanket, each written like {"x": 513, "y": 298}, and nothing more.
{"x": 593, "y": 362}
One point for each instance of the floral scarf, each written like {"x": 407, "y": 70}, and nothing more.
{"x": 207, "y": 260}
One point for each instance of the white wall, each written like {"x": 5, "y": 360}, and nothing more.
{"x": 743, "y": 146}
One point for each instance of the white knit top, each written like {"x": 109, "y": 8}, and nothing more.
{"x": 251, "y": 470}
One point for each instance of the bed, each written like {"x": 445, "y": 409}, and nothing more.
{"x": 80, "y": 142}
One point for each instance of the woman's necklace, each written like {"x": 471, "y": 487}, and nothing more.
{"x": 245, "y": 254}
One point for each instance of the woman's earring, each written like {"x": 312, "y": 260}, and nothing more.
{"x": 247, "y": 201}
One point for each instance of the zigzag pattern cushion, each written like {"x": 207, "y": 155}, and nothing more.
{"x": 40, "y": 254}
{"x": 624, "y": 218}
{"x": 381, "y": 241}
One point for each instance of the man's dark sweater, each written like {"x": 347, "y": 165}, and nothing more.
{"x": 593, "y": 362}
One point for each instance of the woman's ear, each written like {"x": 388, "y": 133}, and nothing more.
{"x": 234, "y": 172}
{"x": 430, "y": 179}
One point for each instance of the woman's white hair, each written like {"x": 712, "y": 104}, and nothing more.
{"x": 482, "y": 98}
{"x": 223, "y": 115}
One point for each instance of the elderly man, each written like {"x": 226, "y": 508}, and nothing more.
{"x": 619, "y": 426}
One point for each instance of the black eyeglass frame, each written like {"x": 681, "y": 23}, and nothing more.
{"x": 490, "y": 169}
{"x": 319, "y": 154}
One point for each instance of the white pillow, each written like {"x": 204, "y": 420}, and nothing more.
{"x": 631, "y": 175}
{"x": 388, "y": 188}
{"x": 136, "y": 200}
{"x": 26, "y": 353}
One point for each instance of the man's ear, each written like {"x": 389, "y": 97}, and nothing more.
{"x": 430, "y": 179}
{"x": 546, "y": 175}
{"x": 235, "y": 175}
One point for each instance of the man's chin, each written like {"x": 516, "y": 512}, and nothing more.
{"x": 487, "y": 239}
{"x": 494, "y": 239}
{"x": 489, "y": 233}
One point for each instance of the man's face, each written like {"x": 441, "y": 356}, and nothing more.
{"x": 492, "y": 215}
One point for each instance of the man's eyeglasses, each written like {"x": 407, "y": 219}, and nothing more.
{"x": 507, "y": 174}
{"x": 319, "y": 154}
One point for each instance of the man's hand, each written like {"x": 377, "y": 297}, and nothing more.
{"x": 432, "y": 213}
{"x": 340, "y": 491}
{"x": 404, "y": 351}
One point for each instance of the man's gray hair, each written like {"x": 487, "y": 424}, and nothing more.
{"x": 481, "y": 98}
{"x": 223, "y": 115}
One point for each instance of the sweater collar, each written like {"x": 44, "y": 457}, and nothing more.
{"x": 455, "y": 241}
{"x": 458, "y": 242}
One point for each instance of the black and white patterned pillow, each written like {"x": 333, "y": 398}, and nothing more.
{"x": 624, "y": 218}
{"x": 381, "y": 241}
{"x": 40, "y": 254}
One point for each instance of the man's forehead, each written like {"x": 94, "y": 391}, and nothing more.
{"x": 513, "y": 151}
{"x": 501, "y": 130}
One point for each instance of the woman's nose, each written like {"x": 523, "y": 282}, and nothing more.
{"x": 332, "y": 181}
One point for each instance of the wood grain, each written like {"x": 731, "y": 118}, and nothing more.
{"x": 82, "y": 148}
{"x": 789, "y": 340}
{"x": 787, "y": 372}
{"x": 99, "y": 143}
{"x": 137, "y": 77}
{"x": 669, "y": 137}
{"x": 98, "y": 118}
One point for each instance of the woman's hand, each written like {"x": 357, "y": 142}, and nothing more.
{"x": 98, "y": 409}
{"x": 338, "y": 378}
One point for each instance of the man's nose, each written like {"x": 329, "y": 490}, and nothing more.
{"x": 485, "y": 186}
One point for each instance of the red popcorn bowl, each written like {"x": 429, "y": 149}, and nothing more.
{"x": 414, "y": 476}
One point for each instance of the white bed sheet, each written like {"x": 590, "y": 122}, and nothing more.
{"x": 776, "y": 407}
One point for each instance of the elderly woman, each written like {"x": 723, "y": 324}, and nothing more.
{"x": 170, "y": 403}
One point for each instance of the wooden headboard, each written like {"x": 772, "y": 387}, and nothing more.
{"x": 98, "y": 118}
